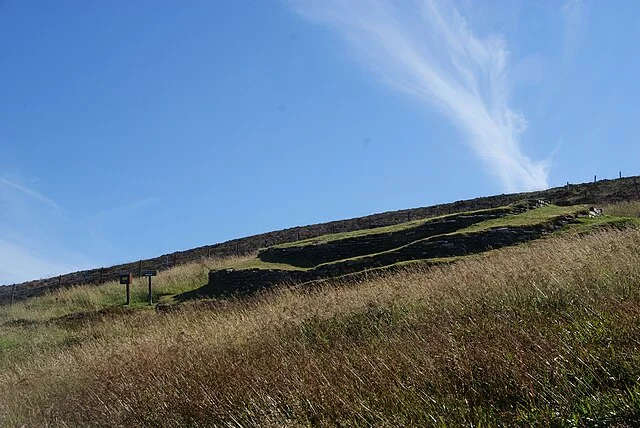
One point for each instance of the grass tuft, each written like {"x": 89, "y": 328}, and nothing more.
{"x": 623, "y": 209}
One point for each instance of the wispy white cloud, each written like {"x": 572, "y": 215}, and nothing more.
{"x": 29, "y": 192}
{"x": 28, "y": 222}
{"x": 427, "y": 49}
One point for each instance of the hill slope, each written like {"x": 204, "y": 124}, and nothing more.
{"x": 599, "y": 193}
{"x": 540, "y": 334}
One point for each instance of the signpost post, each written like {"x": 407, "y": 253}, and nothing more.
{"x": 149, "y": 274}
{"x": 127, "y": 279}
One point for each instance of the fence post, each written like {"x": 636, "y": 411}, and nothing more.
{"x": 13, "y": 293}
{"x": 595, "y": 178}
{"x": 620, "y": 173}
{"x": 140, "y": 269}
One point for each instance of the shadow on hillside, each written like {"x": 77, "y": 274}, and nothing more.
{"x": 205, "y": 291}
{"x": 190, "y": 295}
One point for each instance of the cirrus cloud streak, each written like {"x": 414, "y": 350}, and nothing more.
{"x": 427, "y": 50}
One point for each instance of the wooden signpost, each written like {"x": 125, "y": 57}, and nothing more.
{"x": 149, "y": 274}
{"x": 127, "y": 279}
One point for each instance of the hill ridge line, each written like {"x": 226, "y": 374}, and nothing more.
{"x": 600, "y": 192}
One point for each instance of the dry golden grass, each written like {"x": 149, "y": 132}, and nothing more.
{"x": 623, "y": 209}
{"x": 544, "y": 334}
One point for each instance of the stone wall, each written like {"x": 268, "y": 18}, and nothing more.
{"x": 313, "y": 254}
{"x": 229, "y": 281}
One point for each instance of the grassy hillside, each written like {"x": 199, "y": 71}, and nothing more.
{"x": 599, "y": 193}
{"x": 545, "y": 333}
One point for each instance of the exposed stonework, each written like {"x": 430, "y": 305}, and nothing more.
{"x": 229, "y": 281}
{"x": 313, "y": 254}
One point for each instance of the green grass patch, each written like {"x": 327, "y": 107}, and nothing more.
{"x": 7, "y": 343}
{"x": 530, "y": 218}
{"x": 595, "y": 224}
{"x": 379, "y": 230}
{"x": 256, "y": 263}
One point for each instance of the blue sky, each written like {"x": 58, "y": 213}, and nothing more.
{"x": 133, "y": 129}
